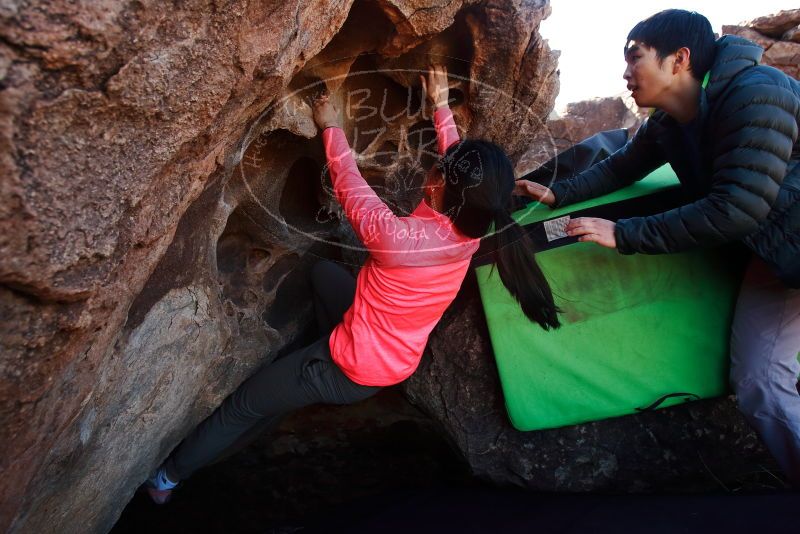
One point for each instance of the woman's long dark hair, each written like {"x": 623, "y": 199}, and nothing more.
{"x": 479, "y": 179}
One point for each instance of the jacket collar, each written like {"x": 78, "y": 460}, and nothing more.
{"x": 734, "y": 54}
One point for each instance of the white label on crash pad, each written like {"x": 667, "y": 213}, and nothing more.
{"x": 555, "y": 228}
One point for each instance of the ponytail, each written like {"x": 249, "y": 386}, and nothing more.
{"x": 479, "y": 179}
{"x": 520, "y": 273}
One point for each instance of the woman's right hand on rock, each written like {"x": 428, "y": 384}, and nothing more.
{"x": 536, "y": 191}
{"x": 435, "y": 86}
{"x": 325, "y": 114}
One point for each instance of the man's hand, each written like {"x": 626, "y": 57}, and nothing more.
{"x": 435, "y": 87}
{"x": 325, "y": 114}
{"x": 526, "y": 188}
{"x": 598, "y": 231}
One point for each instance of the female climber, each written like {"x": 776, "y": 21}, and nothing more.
{"x": 374, "y": 328}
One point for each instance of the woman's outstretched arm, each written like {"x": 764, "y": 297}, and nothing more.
{"x": 370, "y": 217}
{"x": 437, "y": 91}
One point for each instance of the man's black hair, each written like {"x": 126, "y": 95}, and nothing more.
{"x": 673, "y": 29}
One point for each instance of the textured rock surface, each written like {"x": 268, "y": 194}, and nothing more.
{"x": 779, "y": 35}
{"x": 163, "y": 197}
{"x": 778, "y": 24}
{"x": 162, "y": 200}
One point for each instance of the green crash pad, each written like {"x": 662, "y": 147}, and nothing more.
{"x": 635, "y": 329}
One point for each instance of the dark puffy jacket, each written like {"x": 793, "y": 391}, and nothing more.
{"x": 741, "y": 176}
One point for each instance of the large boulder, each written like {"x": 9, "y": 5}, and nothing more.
{"x": 778, "y": 35}
{"x": 777, "y": 24}
{"x": 164, "y": 196}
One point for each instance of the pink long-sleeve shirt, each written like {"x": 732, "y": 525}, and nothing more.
{"x": 414, "y": 270}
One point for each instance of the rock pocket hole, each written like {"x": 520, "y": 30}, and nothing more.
{"x": 300, "y": 199}
{"x": 456, "y": 97}
{"x": 258, "y": 260}
{"x": 229, "y": 257}
{"x": 243, "y": 258}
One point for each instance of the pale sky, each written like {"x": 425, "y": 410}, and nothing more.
{"x": 591, "y": 36}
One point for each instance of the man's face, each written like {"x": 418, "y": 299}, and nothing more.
{"x": 648, "y": 79}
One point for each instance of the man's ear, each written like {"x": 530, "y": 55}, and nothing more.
{"x": 682, "y": 60}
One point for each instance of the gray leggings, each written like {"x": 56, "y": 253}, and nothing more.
{"x": 765, "y": 340}
{"x": 304, "y": 377}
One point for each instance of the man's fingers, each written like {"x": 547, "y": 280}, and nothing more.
{"x": 580, "y": 222}
{"x": 533, "y": 187}
{"x": 522, "y": 186}
{"x": 538, "y": 193}
{"x": 579, "y": 229}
